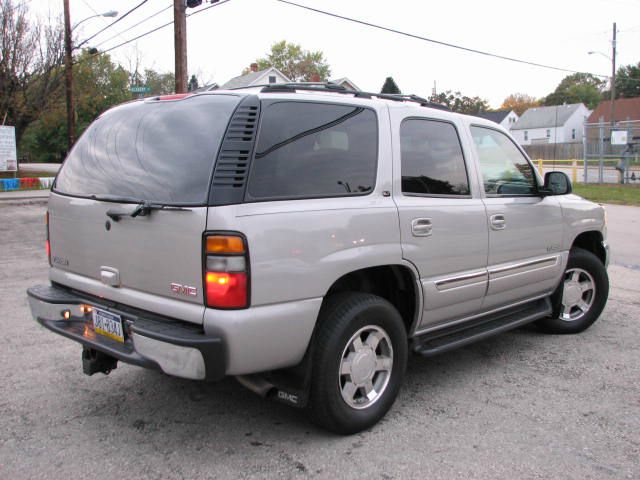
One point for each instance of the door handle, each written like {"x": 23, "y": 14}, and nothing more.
{"x": 497, "y": 221}
{"x": 421, "y": 227}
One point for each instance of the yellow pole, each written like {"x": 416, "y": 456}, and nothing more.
{"x": 540, "y": 166}
{"x": 574, "y": 171}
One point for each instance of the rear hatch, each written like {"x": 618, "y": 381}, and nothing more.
{"x": 155, "y": 157}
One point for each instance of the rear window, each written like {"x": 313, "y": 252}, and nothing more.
{"x": 311, "y": 150}
{"x": 160, "y": 151}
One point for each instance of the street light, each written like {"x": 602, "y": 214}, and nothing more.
{"x": 110, "y": 13}
{"x": 612, "y": 58}
{"x": 68, "y": 66}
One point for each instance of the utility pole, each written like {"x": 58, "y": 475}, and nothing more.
{"x": 180, "y": 44}
{"x": 68, "y": 68}
{"x": 613, "y": 78}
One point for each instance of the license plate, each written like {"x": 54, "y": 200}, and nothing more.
{"x": 108, "y": 324}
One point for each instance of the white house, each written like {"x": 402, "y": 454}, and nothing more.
{"x": 346, "y": 83}
{"x": 556, "y": 124}
{"x": 506, "y": 118}
{"x": 256, "y": 77}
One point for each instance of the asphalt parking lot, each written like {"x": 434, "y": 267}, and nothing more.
{"x": 518, "y": 406}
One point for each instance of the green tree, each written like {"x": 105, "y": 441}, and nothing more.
{"x": 628, "y": 81}
{"x": 577, "y": 88}
{"x": 390, "y": 86}
{"x": 297, "y": 64}
{"x": 160, "y": 83}
{"x": 98, "y": 85}
{"x": 519, "y": 103}
{"x": 461, "y": 103}
{"x": 193, "y": 83}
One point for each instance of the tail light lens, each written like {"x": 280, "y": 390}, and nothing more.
{"x": 48, "y": 243}
{"x": 226, "y": 271}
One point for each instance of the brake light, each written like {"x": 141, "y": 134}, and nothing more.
{"x": 226, "y": 273}
{"x": 175, "y": 96}
{"x": 47, "y": 242}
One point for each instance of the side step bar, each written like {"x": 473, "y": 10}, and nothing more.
{"x": 434, "y": 343}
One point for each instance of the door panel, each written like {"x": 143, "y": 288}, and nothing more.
{"x": 443, "y": 227}
{"x": 525, "y": 229}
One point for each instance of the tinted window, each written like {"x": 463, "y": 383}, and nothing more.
{"x": 314, "y": 150}
{"x": 161, "y": 151}
{"x": 505, "y": 171}
{"x": 432, "y": 160}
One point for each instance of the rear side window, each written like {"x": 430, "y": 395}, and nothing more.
{"x": 432, "y": 160}
{"x": 159, "y": 151}
{"x": 308, "y": 150}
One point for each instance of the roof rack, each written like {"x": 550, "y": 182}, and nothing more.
{"x": 335, "y": 88}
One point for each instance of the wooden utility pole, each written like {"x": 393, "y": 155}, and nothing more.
{"x": 68, "y": 68}
{"x": 180, "y": 44}
{"x": 613, "y": 77}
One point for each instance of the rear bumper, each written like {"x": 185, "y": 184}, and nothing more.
{"x": 151, "y": 341}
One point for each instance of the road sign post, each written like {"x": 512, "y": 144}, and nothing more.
{"x": 8, "y": 154}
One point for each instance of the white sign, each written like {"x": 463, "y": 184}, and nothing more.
{"x": 618, "y": 137}
{"x": 8, "y": 155}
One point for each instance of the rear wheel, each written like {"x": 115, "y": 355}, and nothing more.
{"x": 359, "y": 363}
{"x": 583, "y": 294}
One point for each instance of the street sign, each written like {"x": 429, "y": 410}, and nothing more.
{"x": 140, "y": 89}
{"x": 618, "y": 137}
{"x": 8, "y": 155}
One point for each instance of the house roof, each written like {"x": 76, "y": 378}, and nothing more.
{"x": 626, "y": 109}
{"x": 497, "y": 116}
{"x": 250, "y": 78}
{"x": 545, "y": 117}
{"x": 340, "y": 81}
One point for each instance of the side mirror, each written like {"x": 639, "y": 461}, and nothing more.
{"x": 556, "y": 183}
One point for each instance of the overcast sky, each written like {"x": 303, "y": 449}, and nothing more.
{"x": 225, "y": 39}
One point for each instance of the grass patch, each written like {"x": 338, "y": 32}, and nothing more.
{"x": 610, "y": 193}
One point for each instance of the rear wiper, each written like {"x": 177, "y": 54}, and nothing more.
{"x": 142, "y": 209}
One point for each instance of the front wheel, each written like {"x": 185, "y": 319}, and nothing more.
{"x": 359, "y": 363}
{"x": 583, "y": 293}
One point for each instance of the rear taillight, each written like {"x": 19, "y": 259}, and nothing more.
{"x": 226, "y": 271}
{"x": 47, "y": 243}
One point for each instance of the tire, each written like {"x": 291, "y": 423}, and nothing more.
{"x": 580, "y": 305}
{"x": 337, "y": 402}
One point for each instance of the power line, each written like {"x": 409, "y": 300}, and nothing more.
{"x": 97, "y": 14}
{"x": 221, "y": 2}
{"x": 135, "y": 25}
{"x": 431, "y": 40}
{"x": 113, "y": 23}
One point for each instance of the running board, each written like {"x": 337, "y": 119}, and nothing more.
{"x": 434, "y": 343}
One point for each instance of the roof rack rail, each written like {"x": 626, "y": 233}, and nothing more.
{"x": 335, "y": 88}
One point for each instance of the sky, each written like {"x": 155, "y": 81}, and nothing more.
{"x": 223, "y": 40}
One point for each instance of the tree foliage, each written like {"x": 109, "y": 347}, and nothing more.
{"x": 390, "y": 86}
{"x": 460, "y": 103}
{"x": 577, "y": 88}
{"x": 98, "y": 85}
{"x": 519, "y": 103}
{"x": 297, "y": 64}
{"x": 628, "y": 81}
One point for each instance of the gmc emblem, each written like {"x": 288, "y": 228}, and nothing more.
{"x": 184, "y": 290}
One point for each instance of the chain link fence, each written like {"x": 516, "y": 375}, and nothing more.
{"x": 605, "y": 162}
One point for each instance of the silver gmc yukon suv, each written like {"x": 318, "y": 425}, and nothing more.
{"x": 306, "y": 239}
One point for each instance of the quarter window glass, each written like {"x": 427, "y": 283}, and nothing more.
{"x": 432, "y": 160}
{"x": 505, "y": 171}
{"x": 314, "y": 150}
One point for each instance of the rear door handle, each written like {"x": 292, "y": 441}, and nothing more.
{"x": 497, "y": 221}
{"x": 421, "y": 227}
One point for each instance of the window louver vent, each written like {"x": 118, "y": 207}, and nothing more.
{"x": 232, "y": 165}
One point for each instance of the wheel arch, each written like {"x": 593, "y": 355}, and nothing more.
{"x": 592, "y": 242}
{"x": 398, "y": 284}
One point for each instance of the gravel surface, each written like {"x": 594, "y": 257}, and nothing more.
{"x": 522, "y": 405}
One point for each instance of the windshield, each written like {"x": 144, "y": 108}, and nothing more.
{"x": 156, "y": 151}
